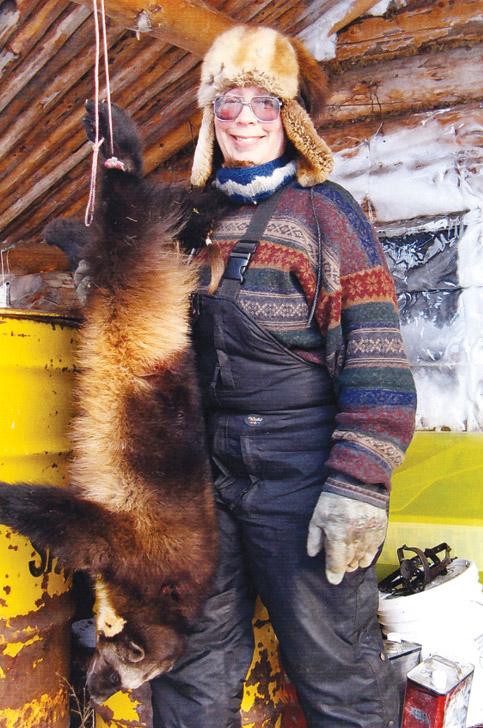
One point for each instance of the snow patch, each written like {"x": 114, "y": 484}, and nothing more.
{"x": 420, "y": 181}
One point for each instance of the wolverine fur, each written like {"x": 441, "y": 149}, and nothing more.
{"x": 138, "y": 515}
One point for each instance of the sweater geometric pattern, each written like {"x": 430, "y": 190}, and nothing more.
{"x": 355, "y": 331}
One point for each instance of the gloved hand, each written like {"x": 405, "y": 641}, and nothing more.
{"x": 82, "y": 281}
{"x": 351, "y": 532}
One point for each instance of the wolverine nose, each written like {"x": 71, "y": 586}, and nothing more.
{"x": 101, "y": 690}
{"x": 102, "y": 681}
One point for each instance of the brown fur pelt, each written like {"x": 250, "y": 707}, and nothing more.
{"x": 138, "y": 516}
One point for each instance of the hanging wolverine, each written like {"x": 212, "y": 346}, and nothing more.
{"x": 138, "y": 516}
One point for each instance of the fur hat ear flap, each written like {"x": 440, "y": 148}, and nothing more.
{"x": 203, "y": 156}
{"x": 313, "y": 81}
{"x": 314, "y": 158}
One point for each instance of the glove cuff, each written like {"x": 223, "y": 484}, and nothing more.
{"x": 375, "y": 494}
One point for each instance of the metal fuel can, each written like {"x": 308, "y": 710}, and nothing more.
{"x": 437, "y": 694}
{"x": 404, "y": 656}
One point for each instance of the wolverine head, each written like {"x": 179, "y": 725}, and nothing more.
{"x": 134, "y": 644}
{"x": 126, "y": 661}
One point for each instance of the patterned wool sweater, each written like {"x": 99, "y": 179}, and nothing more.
{"x": 355, "y": 330}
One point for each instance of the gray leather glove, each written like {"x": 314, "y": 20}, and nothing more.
{"x": 82, "y": 281}
{"x": 350, "y": 531}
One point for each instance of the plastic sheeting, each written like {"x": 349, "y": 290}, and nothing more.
{"x": 437, "y": 269}
{"x": 441, "y": 312}
{"x": 424, "y": 265}
{"x": 422, "y": 186}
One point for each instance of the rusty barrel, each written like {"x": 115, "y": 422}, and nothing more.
{"x": 269, "y": 700}
{"x": 36, "y": 372}
{"x": 130, "y": 709}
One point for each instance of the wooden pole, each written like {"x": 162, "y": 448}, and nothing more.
{"x": 188, "y": 24}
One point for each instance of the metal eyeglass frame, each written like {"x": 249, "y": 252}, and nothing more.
{"x": 248, "y": 103}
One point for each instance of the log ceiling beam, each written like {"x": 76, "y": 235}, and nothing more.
{"x": 187, "y": 24}
{"x": 357, "y": 9}
{"x": 191, "y": 24}
{"x": 36, "y": 184}
{"x": 446, "y": 22}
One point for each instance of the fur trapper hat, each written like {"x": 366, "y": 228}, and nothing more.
{"x": 259, "y": 56}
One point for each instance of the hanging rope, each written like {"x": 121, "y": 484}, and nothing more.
{"x": 106, "y": 73}
{"x": 89, "y": 213}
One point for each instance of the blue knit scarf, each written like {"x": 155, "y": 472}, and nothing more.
{"x": 247, "y": 185}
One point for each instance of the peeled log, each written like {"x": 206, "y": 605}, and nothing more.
{"x": 447, "y": 22}
{"x": 401, "y": 85}
{"x": 188, "y": 24}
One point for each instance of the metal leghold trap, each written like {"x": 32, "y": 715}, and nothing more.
{"x": 415, "y": 573}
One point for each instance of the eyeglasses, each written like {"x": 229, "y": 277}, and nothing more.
{"x": 264, "y": 108}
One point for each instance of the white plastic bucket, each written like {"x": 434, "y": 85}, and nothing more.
{"x": 446, "y": 619}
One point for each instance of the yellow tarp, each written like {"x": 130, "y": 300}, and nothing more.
{"x": 437, "y": 495}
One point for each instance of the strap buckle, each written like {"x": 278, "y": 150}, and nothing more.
{"x": 239, "y": 259}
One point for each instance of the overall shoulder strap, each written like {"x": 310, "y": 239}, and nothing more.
{"x": 244, "y": 249}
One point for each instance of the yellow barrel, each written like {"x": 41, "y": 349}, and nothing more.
{"x": 130, "y": 709}
{"x": 36, "y": 371}
{"x": 269, "y": 701}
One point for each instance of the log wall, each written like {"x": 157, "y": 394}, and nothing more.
{"x": 389, "y": 73}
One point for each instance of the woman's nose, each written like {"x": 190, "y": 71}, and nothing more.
{"x": 246, "y": 115}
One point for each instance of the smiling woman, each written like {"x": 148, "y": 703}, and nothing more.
{"x": 308, "y": 398}
{"x": 246, "y": 140}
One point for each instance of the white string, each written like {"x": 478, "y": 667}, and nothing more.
{"x": 91, "y": 203}
{"x": 89, "y": 213}
{"x": 106, "y": 71}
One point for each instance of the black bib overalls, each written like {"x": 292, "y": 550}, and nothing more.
{"x": 270, "y": 415}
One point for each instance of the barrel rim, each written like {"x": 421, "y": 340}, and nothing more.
{"x": 41, "y": 316}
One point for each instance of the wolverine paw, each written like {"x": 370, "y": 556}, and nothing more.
{"x": 125, "y": 153}
{"x": 70, "y": 235}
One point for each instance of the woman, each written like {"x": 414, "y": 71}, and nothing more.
{"x": 309, "y": 401}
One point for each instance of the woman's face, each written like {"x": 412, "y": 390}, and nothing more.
{"x": 245, "y": 141}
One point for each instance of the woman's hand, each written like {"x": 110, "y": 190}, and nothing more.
{"x": 350, "y": 531}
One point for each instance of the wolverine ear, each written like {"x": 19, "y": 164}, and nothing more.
{"x": 108, "y": 622}
{"x": 134, "y": 652}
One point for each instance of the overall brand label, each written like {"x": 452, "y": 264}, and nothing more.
{"x": 254, "y": 420}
